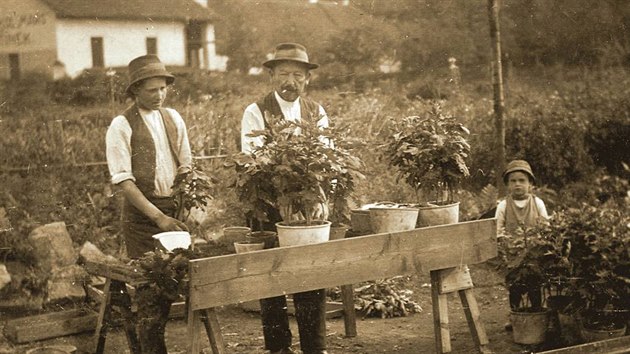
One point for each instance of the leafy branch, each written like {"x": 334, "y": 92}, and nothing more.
{"x": 430, "y": 153}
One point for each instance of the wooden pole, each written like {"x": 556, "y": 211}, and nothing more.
{"x": 497, "y": 85}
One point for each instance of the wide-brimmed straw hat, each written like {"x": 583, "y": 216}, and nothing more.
{"x": 147, "y": 66}
{"x": 518, "y": 165}
{"x": 290, "y": 52}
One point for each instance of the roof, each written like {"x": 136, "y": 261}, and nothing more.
{"x": 180, "y": 10}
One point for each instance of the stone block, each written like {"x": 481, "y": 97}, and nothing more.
{"x": 52, "y": 246}
{"x": 66, "y": 284}
{"x": 5, "y": 277}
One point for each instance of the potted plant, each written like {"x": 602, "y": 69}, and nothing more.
{"x": 430, "y": 154}
{"x": 295, "y": 172}
{"x": 526, "y": 278}
{"x": 600, "y": 258}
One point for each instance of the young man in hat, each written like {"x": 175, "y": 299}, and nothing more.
{"x": 146, "y": 147}
{"x": 289, "y": 69}
{"x": 520, "y": 209}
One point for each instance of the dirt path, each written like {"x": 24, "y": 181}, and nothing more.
{"x": 403, "y": 335}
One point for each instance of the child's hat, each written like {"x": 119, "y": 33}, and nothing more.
{"x": 518, "y": 165}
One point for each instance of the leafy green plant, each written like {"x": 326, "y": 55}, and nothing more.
{"x": 534, "y": 257}
{"x": 192, "y": 189}
{"x": 297, "y": 169}
{"x": 430, "y": 153}
{"x": 600, "y": 259}
{"x": 583, "y": 253}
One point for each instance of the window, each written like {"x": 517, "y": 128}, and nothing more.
{"x": 98, "y": 60}
{"x": 151, "y": 45}
{"x": 14, "y": 66}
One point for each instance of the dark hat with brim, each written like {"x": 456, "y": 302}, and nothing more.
{"x": 145, "y": 67}
{"x": 520, "y": 166}
{"x": 290, "y": 52}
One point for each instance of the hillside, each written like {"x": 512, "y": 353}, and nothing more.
{"x": 252, "y": 28}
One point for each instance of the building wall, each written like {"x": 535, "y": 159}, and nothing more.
{"x": 215, "y": 62}
{"x": 122, "y": 41}
{"x": 26, "y": 30}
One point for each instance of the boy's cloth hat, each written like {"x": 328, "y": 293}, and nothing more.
{"x": 291, "y": 52}
{"x": 518, "y": 165}
{"x": 147, "y": 66}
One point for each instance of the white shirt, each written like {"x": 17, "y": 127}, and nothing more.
{"x": 253, "y": 120}
{"x": 118, "y": 150}
{"x": 500, "y": 213}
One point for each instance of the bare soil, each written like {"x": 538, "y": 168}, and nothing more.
{"x": 404, "y": 335}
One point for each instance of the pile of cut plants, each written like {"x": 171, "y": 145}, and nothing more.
{"x": 385, "y": 298}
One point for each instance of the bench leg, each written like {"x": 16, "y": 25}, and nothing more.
{"x": 123, "y": 301}
{"x": 440, "y": 315}
{"x": 104, "y": 314}
{"x": 213, "y": 330}
{"x": 194, "y": 318}
{"x": 349, "y": 315}
{"x": 473, "y": 316}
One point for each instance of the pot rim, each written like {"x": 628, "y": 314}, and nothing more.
{"x": 444, "y": 206}
{"x": 302, "y": 224}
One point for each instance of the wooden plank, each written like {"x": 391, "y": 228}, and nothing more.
{"x": 222, "y": 280}
{"x": 104, "y": 314}
{"x": 609, "y": 346}
{"x": 213, "y": 331}
{"x": 177, "y": 311}
{"x": 439, "y": 302}
{"x": 125, "y": 273}
{"x": 454, "y": 279}
{"x": 473, "y": 317}
{"x": 194, "y": 321}
{"x": 349, "y": 314}
{"x": 51, "y": 325}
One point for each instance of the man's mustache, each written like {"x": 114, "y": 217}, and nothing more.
{"x": 289, "y": 88}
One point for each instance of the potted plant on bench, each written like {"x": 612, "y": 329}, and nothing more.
{"x": 430, "y": 154}
{"x": 295, "y": 172}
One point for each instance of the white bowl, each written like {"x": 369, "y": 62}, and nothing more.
{"x": 174, "y": 239}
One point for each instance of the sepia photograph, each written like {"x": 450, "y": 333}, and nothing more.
{"x": 314, "y": 176}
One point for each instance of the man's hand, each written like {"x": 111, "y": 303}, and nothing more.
{"x": 167, "y": 223}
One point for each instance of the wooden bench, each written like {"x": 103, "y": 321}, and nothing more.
{"x": 115, "y": 294}
{"x": 120, "y": 280}
{"x": 437, "y": 250}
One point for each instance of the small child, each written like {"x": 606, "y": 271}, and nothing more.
{"x": 520, "y": 208}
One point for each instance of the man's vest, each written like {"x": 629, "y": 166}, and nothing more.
{"x": 269, "y": 104}
{"x": 143, "y": 148}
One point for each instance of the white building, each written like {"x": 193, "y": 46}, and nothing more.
{"x": 73, "y": 35}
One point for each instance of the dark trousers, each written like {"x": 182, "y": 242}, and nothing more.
{"x": 153, "y": 305}
{"x": 310, "y": 308}
{"x": 310, "y": 313}
{"x": 153, "y": 309}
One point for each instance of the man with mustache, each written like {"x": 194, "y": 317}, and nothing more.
{"x": 289, "y": 69}
{"x": 146, "y": 147}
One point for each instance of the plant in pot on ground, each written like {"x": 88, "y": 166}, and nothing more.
{"x": 295, "y": 171}
{"x": 600, "y": 259}
{"x": 537, "y": 274}
{"x": 430, "y": 155}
